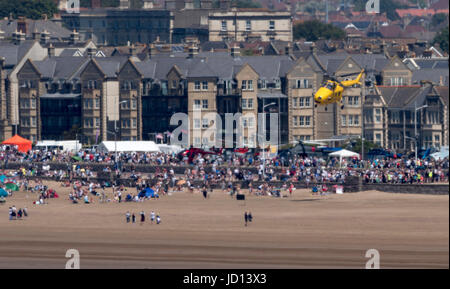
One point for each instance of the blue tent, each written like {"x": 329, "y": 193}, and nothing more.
{"x": 148, "y": 193}
{"x": 3, "y": 193}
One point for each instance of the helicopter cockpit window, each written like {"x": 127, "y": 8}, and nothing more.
{"x": 330, "y": 85}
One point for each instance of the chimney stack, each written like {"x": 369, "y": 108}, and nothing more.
{"x": 288, "y": 49}
{"x": 18, "y": 37}
{"x": 313, "y": 48}
{"x": 151, "y": 50}
{"x": 132, "y": 50}
{"x": 45, "y": 37}
{"x": 36, "y": 35}
{"x": 235, "y": 51}
{"x": 74, "y": 37}
{"x": 51, "y": 50}
{"x": 193, "y": 50}
{"x": 91, "y": 52}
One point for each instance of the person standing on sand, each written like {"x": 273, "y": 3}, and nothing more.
{"x": 250, "y": 217}
{"x": 127, "y": 216}
{"x": 245, "y": 218}
{"x": 142, "y": 217}
{"x": 158, "y": 219}
{"x": 152, "y": 216}
{"x": 133, "y": 218}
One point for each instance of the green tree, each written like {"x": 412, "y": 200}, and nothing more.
{"x": 442, "y": 39}
{"x": 356, "y": 146}
{"x": 438, "y": 19}
{"x": 33, "y": 9}
{"x": 314, "y": 30}
{"x": 110, "y": 3}
{"x": 246, "y": 4}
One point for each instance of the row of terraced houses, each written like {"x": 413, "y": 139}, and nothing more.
{"x": 45, "y": 97}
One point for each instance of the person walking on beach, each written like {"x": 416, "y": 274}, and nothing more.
{"x": 25, "y": 212}
{"x": 205, "y": 192}
{"x": 152, "y": 216}
{"x": 142, "y": 217}
{"x": 158, "y": 219}
{"x": 127, "y": 216}
{"x": 250, "y": 217}
{"x": 10, "y": 214}
{"x": 246, "y": 218}
{"x": 133, "y": 218}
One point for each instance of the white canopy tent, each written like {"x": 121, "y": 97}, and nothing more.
{"x": 65, "y": 145}
{"x": 441, "y": 154}
{"x": 128, "y": 146}
{"x": 169, "y": 149}
{"x": 344, "y": 154}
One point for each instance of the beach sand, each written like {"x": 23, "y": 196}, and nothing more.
{"x": 302, "y": 231}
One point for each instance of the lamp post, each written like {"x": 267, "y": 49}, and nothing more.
{"x": 264, "y": 134}
{"x": 115, "y": 132}
{"x": 416, "y": 109}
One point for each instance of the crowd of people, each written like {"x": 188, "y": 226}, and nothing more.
{"x": 212, "y": 170}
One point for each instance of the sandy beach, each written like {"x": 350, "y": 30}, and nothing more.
{"x": 302, "y": 231}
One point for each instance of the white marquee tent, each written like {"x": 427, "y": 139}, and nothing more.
{"x": 344, "y": 154}
{"x": 128, "y": 146}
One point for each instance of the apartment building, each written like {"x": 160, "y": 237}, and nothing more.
{"x": 132, "y": 99}
{"x": 250, "y": 24}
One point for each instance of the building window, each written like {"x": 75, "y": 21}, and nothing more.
{"x": 244, "y": 85}
{"x": 33, "y": 103}
{"x": 277, "y": 83}
{"x": 204, "y": 103}
{"x": 97, "y": 122}
{"x": 307, "y": 101}
{"x": 250, "y": 84}
{"x": 307, "y": 120}
{"x": 197, "y": 104}
{"x": 197, "y": 123}
{"x": 295, "y": 120}
{"x": 224, "y": 25}
{"x": 205, "y": 123}
{"x": 271, "y": 25}
{"x": 263, "y": 84}
{"x": 133, "y": 103}
{"x": 378, "y": 139}
{"x": 197, "y": 85}
{"x": 133, "y": 123}
{"x": 295, "y": 102}
{"x": 33, "y": 121}
{"x": 97, "y": 103}
{"x": 204, "y": 85}
{"x": 378, "y": 115}
{"x": 248, "y": 25}
{"x": 343, "y": 120}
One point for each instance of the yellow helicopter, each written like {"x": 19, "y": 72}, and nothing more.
{"x": 331, "y": 91}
